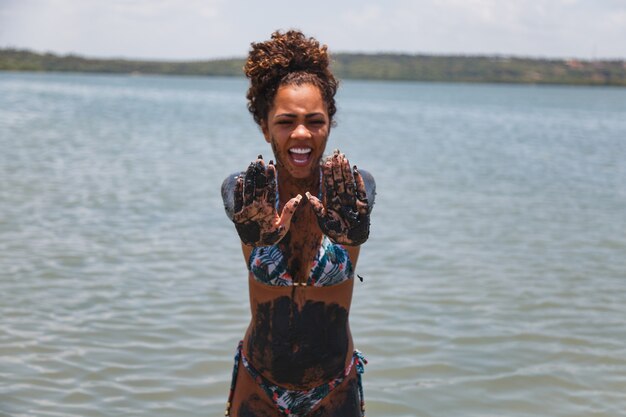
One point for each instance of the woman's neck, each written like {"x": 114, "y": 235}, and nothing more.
{"x": 290, "y": 187}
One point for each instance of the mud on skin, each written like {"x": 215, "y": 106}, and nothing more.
{"x": 345, "y": 403}
{"x": 255, "y": 407}
{"x": 299, "y": 346}
{"x": 344, "y": 213}
{"x": 255, "y": 216}
{"x": 295, "y": 249}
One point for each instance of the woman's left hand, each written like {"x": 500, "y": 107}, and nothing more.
{"x": 343, "y": 215}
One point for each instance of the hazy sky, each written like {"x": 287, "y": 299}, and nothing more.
{"x": 200, "y": 29}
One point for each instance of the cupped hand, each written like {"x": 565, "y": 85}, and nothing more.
{"x": 343, "y": 215}
{"x": 255, "y": 216}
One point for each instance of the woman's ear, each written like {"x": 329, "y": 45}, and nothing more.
{"x": 265, "y": 130}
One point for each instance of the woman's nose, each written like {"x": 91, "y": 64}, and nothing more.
{"x": 301, "y": 132}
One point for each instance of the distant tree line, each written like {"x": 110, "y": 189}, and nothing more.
{"x": 478, "y": 69}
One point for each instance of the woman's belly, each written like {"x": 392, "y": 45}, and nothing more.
{"x": 299, "y": 345}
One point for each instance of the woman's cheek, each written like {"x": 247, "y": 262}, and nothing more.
{"x": 277, "y": 156}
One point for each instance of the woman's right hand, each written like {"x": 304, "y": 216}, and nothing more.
{"x": 255, "y": 216}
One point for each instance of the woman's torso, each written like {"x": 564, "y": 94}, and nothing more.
{"x": 299, "y": 335}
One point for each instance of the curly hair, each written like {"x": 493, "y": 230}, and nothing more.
{"x": 287, "y": 59}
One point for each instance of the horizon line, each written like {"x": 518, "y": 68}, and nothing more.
{"x": 366, "y": 53}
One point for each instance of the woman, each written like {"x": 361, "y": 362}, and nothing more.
{"x": 301, "y": 222}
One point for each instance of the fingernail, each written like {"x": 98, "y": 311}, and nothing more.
{"x": 308, "y": 194}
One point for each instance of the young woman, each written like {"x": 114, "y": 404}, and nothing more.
{"x": 301, "y": 221}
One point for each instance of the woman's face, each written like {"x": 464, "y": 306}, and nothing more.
{"x": 297, "y": 127}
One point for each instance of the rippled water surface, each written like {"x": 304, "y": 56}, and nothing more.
{"x": 495, "y": 275}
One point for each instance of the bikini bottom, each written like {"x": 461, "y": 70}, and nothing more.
{"x": 296, "y": 403}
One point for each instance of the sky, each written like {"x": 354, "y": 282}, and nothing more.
{"x": 209, "y": 29}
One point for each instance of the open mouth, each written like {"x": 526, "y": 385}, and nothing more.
{"x": 300, "y": 156}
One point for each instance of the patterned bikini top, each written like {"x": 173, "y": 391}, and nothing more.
{"x": 331, "y": 265}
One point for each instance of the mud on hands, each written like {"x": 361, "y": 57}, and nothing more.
{"x": 343, "y": 215}
{"x": 255, "y": 216}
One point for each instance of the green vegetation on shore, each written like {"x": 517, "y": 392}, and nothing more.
{"x": 480, "y": 69}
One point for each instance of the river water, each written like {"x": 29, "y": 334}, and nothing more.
{"x": 494, "y": 277}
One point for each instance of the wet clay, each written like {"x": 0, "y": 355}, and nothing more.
{"x": 345, "y": 403}
{"x": 255, "y": 407}
{"x": 299, "y": 345}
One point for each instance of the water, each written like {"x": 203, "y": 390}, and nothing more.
{"x": 495, "y": 275}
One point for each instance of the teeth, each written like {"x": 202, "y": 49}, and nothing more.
{"x": 300, "y": 150}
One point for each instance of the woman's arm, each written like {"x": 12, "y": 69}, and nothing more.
{"x": 228, "y": 193}
{"x": 228, "y": 197}
{"x": 370, "y": 188}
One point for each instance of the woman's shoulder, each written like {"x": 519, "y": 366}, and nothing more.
{"x": 228, "y": 193}
{"x": 370, "y": 186}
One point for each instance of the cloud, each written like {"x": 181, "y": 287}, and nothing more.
{"x": 197, "y": 29}
{"x": 368, "y": 15}
{"x": 115, "y": 27}
{"x": 166, "y": 8}
{"x": 552, "y": 28}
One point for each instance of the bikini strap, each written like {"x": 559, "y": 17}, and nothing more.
{"x": 358, "y": 360}
{"x": 360, "y": 363}
{"x": 233, "y": 382}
